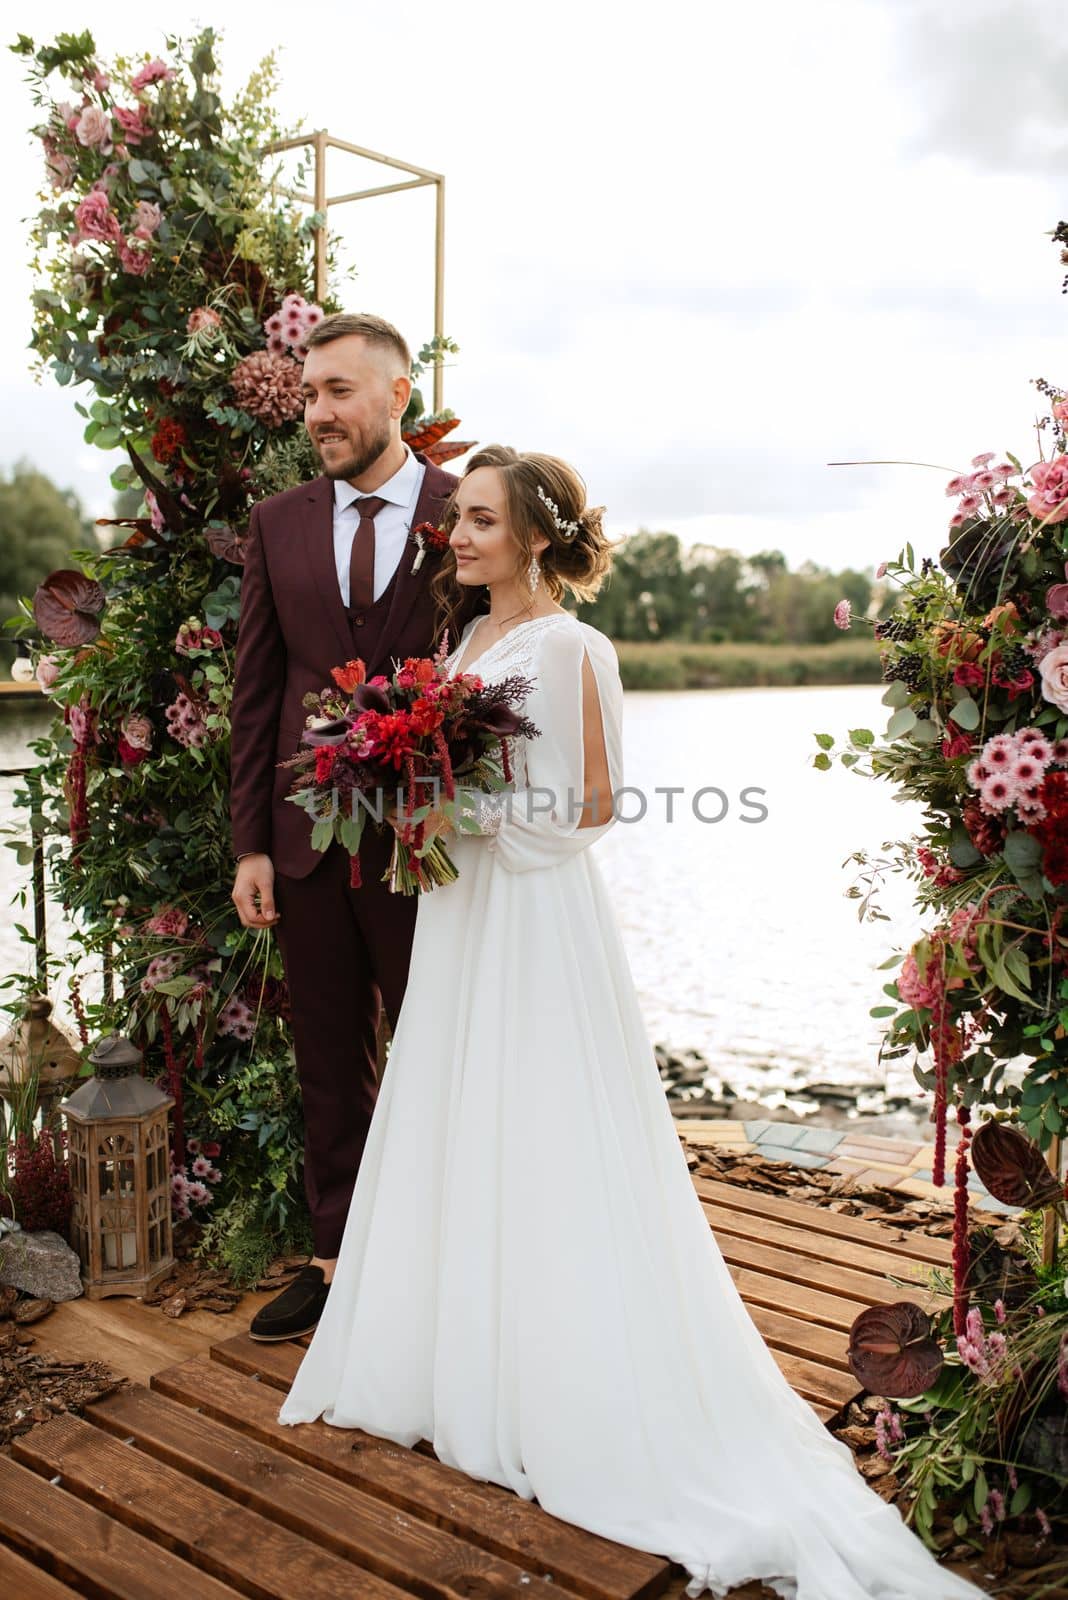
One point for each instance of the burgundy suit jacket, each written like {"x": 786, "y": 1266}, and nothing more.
{"x": 293, "y": 628}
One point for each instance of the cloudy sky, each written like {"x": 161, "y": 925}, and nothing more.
{"x": 701, "y": 250}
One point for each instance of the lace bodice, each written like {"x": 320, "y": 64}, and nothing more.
{"x": 514, "y": 653}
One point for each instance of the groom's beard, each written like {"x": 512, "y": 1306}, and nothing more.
{"x": 365, "y": 452}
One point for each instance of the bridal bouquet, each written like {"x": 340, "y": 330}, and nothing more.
{"x": 404, "y": 751}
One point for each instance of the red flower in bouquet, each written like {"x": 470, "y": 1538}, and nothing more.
{"x": 422, "y": 724}
{"x": 350, "y": 675}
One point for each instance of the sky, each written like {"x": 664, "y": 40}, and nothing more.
{"x": 700, "y": 250}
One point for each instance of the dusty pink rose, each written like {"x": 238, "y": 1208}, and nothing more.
{"x": 843, "y": 613}
{"x": 95, "y": 218}
{"x": 100, "y": 81}
{"x": 137, "y": 730}
{"x": 132, "y": 122}
{"x": 47, "y": 671}
{"x": 93, "y": 129}
{"x": 911, "y": 987}
{"x": 59, "y": 166}
{"x": 134, "y": 259}
{"x": 170, "y": 922}
{"x": 146, "y": 219}
{"x": 1057, "y": 597}
{"x": 1050, "y": 499}
{"x": 154, "y": 71}
{"x": 1053, "y": 671}
{"x": 203, "y": 320}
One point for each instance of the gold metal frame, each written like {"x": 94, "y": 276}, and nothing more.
{"x": 320, "y": 141}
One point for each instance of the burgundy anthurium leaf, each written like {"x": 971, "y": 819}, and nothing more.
{"x": 67, "y": 607}
{"x": 169, "y": 507}
{"x": 1013, "y": 1167}
{"x": 891, "y": 1351}
{"x": 227, "y": 544}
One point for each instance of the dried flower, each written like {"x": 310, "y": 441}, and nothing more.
{"x": 268, "y": 387}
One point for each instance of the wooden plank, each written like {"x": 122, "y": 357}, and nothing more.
{"x": 808, "y": 1305}
{"x": 864, "y": 1287}
{"x": 337, "y": 1516}
{"x": 81, "y": 1545}
{"x": 802, "y": 1242}
{"x": 206, "y": 1529}
{"x": 22, "y": 1581}
{"x": 485, "y": 1514}
{"x": 782, "y": 1332}
{"x": 903, "y": 1241}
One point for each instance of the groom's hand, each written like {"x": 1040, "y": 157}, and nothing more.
{"x": 255, "y": 882}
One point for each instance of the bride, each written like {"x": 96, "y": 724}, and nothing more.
{"x": 526, "y": 1278}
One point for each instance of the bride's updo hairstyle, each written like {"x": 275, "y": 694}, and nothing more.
{"x": 578, "y": 556}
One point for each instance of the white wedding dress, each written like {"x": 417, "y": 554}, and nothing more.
{"x": 527, "y": 1279}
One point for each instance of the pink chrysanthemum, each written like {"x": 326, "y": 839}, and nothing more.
{"x": 998, "y": 793}
{"x": 981, "y": 460}
{"x": 843, "y": 613}
{"x": 999, "y": 753}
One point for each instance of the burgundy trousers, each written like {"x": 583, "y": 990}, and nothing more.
{"x": 346, "y": 953}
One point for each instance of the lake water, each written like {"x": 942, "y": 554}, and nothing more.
{"x": 740, "y": 938}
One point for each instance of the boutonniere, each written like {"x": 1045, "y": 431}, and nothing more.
{"x": 427, "y": 534}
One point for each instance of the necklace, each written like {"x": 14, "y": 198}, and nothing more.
{"x": 515, "y": 614}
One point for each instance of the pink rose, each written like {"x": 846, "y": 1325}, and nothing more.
{"x": 1053, "y": 670}
{"x": 146, "y": 219}
{"x": 134, "y": 260}
{"x": 1057, "y": 597}
{"x": 93, "y": 130}
{"x": 95, "y": 218}
{"x": 170, "y": 922}
{"x": 1050, "y": 499}
{"x": 100, "y": 81}
{"x": 47, "y": 671}
{"x": 911, "y": 987}
{"x": 133, "y": 124}
{"x": 154, "y": 71}
{"x": 1060, "y": 412}
{"x": 137, "y": 731}
{"x": 59, "y": 166}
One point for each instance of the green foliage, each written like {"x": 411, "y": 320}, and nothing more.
{"x": 658, "y": 590}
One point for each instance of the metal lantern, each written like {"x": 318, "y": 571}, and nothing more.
{"x": 119, "y": 1173}
{"x": 37, "y": 1044}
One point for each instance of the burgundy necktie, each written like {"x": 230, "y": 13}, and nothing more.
{"x": 362, "y": 556}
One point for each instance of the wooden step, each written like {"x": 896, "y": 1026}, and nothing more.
{"x": 490, "y": 1517}
{"x": 91, "y": 1549}
{"x": 19, "y": 1580}
{"x": 364, "y": 1529}
{"x": 820, "y": 1219}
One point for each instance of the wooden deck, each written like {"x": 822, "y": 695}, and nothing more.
{"x": 184, "y": 1486}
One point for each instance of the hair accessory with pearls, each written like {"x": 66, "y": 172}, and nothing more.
{"x": 566, "y": 530}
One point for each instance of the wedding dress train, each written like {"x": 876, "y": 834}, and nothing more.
{"x": 527, "y": 1279}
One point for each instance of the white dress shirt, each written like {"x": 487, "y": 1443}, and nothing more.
{"x": 392, "y": 524}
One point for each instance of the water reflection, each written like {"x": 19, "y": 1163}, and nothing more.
{"x": 740, "y": 938}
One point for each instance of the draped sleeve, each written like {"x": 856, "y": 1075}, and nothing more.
{"x": 537, "y": 825}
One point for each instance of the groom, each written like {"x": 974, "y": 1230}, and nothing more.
{"x": 328, "y": 577}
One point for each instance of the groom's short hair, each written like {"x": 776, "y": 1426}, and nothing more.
{"x": 376, "y": 330}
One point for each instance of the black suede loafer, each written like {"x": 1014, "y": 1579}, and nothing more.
{"x": 295, "y": 1311}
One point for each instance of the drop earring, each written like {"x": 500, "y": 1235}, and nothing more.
{"x": 533, "y": 574}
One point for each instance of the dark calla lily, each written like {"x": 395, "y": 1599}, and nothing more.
{"x": 891, "y": 1351}
{"x": 1012, "y": 1167}
{"x": 501, "y": 720}
{"x": 368, "y": 697}
{"x": 328, "y": 732}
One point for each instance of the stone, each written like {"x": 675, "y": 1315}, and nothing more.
{"x": 40, "y": 1263}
